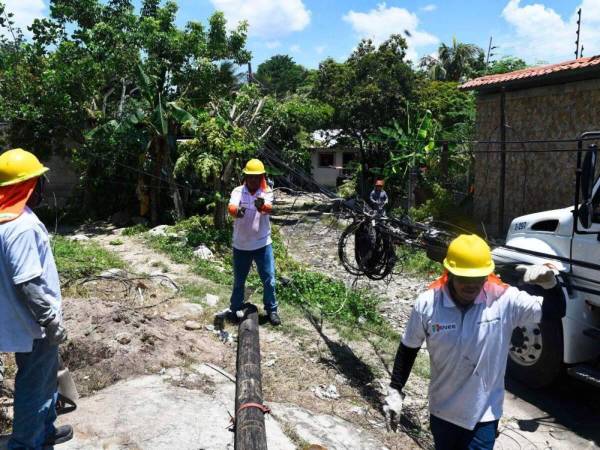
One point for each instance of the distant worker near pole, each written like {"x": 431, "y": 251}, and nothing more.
{"x": 378, "y": 197}
{"x": 250, "y": 206}
{"x": 31, "y": 324}
{"x": 467, "y": 318}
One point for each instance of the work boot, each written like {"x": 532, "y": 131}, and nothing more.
{"x": 60, "y": 436}
{"x": 274, "y": 318}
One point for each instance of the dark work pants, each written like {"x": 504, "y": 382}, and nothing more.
{"x": 448, "y": 436}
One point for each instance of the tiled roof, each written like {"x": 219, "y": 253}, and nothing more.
{"x": 573, "y": 66}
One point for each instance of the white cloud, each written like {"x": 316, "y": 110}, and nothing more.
{"x": 319, "y": 49}
{"x": 540, "y": 33}
{"x": 378, "y": 24}
{"x": 273, "y": 44}
{"x": 429, "y": 8}
{"x": 295, "y": 48}
{"x": 25, "y": 11}
{"x": 267, "y": 18}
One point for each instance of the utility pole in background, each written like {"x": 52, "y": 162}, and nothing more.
{"x": 577, "y": 52}
{"x": 250, "y": 77}
{"x": 489, "y": 52}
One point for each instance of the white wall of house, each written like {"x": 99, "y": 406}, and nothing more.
{"x": 328, "y": 164}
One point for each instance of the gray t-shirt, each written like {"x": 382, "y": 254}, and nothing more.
{"x": 25, "y": 254}
{"x": 468, "y": 349}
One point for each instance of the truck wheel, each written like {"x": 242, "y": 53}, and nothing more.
{"x": 536, "y": 353}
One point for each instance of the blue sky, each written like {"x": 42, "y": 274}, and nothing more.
{"x": 310, "y": 30}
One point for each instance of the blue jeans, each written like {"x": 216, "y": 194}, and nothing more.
{"x": 265, "y": 264}
{"x": 35, "y": 396}
{"x": 448, "y": 436}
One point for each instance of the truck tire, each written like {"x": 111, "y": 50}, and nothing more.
{"x": 537, "y": 367}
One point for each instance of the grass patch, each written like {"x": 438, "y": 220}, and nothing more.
{"x": 76, "y": 260}
{"x": 116, "y": 242}
{"x": 416, "y": 262}
{"x": 305, "y": 288}
{"x": 135, "y": 230}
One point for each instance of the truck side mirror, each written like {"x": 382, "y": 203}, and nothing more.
{"x": 588, "y": 173}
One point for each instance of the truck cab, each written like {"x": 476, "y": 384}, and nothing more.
{"x": 569, "y": 240}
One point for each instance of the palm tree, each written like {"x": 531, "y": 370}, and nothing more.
{"x": 457, "y": 62}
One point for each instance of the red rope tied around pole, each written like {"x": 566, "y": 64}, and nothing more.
{"x": 264, "y": 408}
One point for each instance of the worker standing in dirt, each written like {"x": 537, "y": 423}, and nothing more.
{"x": 31, "y": 324}
{"x": 378, "y": 197}
{"x": 467, "y": 318}
{"x": 250, "y": 205}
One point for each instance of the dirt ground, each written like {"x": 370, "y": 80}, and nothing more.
{"x": 121, "y": 326}
{"x": 132, "y": 324}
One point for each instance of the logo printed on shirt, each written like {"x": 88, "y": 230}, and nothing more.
{"x": 439, "y": 327}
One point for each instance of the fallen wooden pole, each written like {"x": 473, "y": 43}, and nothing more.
{"x": 250, "y": 433}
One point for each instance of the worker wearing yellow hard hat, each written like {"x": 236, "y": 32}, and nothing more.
{"x": 30, "y": 303}
{"x": 466, "y": 318}
{"x": 250, "y": 205}
{"x": 20, "y": 172}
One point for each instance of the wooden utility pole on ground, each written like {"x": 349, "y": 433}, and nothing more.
{"x": 250, "y": 432}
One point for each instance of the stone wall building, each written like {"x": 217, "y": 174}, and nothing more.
{"x": 552, "y": 102}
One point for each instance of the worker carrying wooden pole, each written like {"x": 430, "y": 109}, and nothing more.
{"x": 467, "y": 318}
{"x": 250, "y": 433}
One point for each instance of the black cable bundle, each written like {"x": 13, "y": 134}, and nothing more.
{"x": 374, "y": 254}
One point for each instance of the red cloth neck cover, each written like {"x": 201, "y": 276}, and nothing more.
{"x": 13, "y": 199}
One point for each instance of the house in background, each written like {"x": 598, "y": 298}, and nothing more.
{"x": 551, "y": 102}
{"x": 330, "y": 161}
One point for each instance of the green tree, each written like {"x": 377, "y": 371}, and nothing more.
{"x": 224, "y": 137}
{"x": 452, "y": 109}
{"x": 293, "y": 122}
{"x": 367, "y": 91}
{"x": 411, "y": 147}
{"x": 505, "y": 65}
{"x": 81, "y": 72}
{"x": 280, "y": 75}
{"x": 456, "y": 62}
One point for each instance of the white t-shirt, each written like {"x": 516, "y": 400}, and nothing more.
{"x": 25, "y": 254}
{"x": 468, "y": 351}
{"x": 253, "y": 231}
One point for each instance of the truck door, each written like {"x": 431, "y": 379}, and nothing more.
{"x": 583, "y": 312}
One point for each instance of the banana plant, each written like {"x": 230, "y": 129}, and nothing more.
{"x": 159, "y": 119}
{"x": 412, "y": 146}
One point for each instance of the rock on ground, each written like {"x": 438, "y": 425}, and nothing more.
{"x": 151, "y": 413}
{"x": 203, "y": 252}
{"x": 187, "y": 311}
{"x": 211, "y": 300}
{"x": 160, "y": 230}
{"x": 329, "y": 431}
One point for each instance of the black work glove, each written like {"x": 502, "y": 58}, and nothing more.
{"x": 259, "y": 203}
{"x": 241, "y": 212}
{"x": 55, "y": 331}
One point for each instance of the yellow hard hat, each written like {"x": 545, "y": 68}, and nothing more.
{"x": 469, "y": 256}
{"x": 254, "y": 167}
{"x": 19, "y": 165}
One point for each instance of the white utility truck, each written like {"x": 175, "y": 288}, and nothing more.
{"x": 569, "y": 239}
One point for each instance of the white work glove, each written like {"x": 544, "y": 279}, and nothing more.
{"x": 539, "y": 274}
{"x": 392, "y": 408}
{"x": 56, "y": 333}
